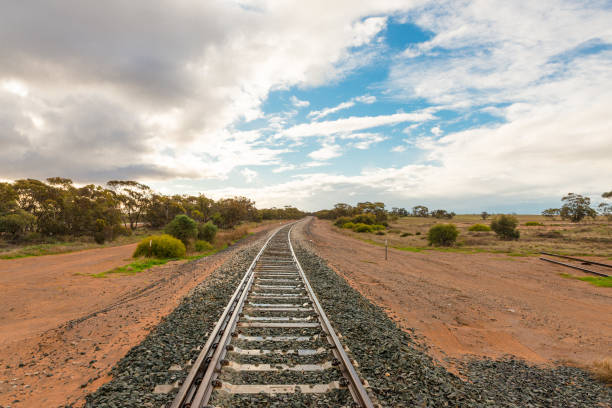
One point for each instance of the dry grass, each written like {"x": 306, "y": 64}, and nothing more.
{"x": 563, "y": 237}
{"x": 602, "y": 370}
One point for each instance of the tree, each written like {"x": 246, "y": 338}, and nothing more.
{"x": 576, "y": 208}
{"x": 231, "y": 211}
{"x": 442, "y": 214}
{"x": 134, "y": 198}
{"x": 184, "y": 228}
{"x": 420, "y": 211}
{"x": 551, "y": 212}
{"x": 399, "y": 212}
{"x": 606, "y": 208}
{"x": 505, "y": 227}
{"x": 484, "y": 215}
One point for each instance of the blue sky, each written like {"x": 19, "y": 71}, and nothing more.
{"x": 468, "y": 106}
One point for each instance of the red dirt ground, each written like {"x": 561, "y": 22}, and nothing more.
{"x": 476, "y": 304}
{"x": 61, "y": 332}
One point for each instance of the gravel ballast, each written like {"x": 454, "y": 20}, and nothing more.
{"x": 398, "y": 370}
{"x": 401, "y": 374}
{"x": 174, "y": 341}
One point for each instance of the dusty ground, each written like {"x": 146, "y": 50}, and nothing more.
{"x": 60, "y": 332}
{"x": 476, "y": 304}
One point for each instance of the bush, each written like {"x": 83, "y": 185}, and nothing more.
{"x": 442, "y": 234}
{"x": 348, "y": 225}
{"x": 207, "y": 231}
{"x": 183, "y": 228}
{"x": 505, "y": 227}
{"x": 380, "y": 233}
{"x": 405, "y": 234}
{"x": 533, "y": 224}
{"x": 99, "y": 237}
{"x": 17, "y": 224}
{"x": 479, "y": 227}
{"x": 369, "y": 219}
{"x": 341, "y": 221}
{"x": 417, "y": 233}
{"x": 203, "y": 246}
{"x": 360, "y": 227}
{"x": 160, "y": 246}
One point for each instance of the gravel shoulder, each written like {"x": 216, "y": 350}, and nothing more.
{"x": 60, "y": 333}
{"x": 476, "y": 305}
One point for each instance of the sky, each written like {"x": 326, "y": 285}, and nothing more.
{"x": 498, "y": 106}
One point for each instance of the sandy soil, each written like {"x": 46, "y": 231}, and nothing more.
{"x": 476, "y": 304}
{"x": 61, "y": 332}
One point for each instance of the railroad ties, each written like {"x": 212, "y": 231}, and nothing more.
{"x": 278, "y": 345}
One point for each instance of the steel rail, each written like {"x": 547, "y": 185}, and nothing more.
{"x": 189, "y": 386}
{"x": 576, "y": 267}
{"x": 584, "y": 261}
{"x": 357, "y": 389}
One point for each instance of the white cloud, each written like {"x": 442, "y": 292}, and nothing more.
{"x": 352, "y": 123}
{"x": 324, "y": 112}
{"x": 249, "y": 175}
{"x": 299, "y": 103}
{"x": 369, "y": 99}
{"x": 398, "y": 149}
{"x": 284, "y": 168}
{"x": 365, "y": 139}
{"x": 436, "y": 130}
{"x": 326, "y": 152}
{"x": 318, "y": 114}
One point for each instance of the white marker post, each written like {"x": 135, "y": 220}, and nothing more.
{"x": 386, "y": 249}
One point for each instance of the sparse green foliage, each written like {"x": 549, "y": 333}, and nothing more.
{"x": 551, "y": 212}
{"x": 533, "y": 224}
{"x": 484, "y": 215}
{"x": 505, "y": 227}
{"x": 160, "y": 246}
{"x": 207, "y": 231}
{"x": 442, "y": 235}
{"x": 184, "y": 228}
{"x": 479, "y": 227}
{"x": 420, "y": 211}
{"x": 442, "y": 214}
{"x": 576, "y": 208}
{"x": 203, "y": 246}
{"x": 16, "y": 224}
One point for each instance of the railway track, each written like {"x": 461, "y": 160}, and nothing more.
{"x": 273, "y": 343}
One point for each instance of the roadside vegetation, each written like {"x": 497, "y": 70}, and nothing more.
{"x": 55, "y": 216}
{"x": 575, "y": 228}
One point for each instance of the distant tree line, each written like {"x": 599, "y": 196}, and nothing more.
{"x": 381, "y": 214}
{"x": 32, "y": 209}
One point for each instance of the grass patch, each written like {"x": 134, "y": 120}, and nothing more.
{"x": 134, "y": 267}
{"x": 603, "y": 370}
{"x": 43, "y": 249}
{"x": 594, "y": 280}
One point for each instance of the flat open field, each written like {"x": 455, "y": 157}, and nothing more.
{"x": 61, "y": 330}
{"x": 475, "y": 304}
{"x": 563, "y": 237}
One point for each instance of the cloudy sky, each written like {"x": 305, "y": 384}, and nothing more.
{"x": 464, "y": 105}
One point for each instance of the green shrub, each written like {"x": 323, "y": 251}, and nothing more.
{"x": 183, "y": 228}
{"x": 160, "y": 246}
{"x": 405, "y": 234}
{"x": 369, "y": 219}
{"x": 442, "y": 234}
{"x": 378, "y": 227}
{"x": 203, "y": 246}
{"x": 17, "y": 224}
{"x": 341, "y": 221}
{"x": 207, "y": 231}
{"x": 360, "y": 227}
{"x": 99, "y": 237}
{"x": 348, "y": 225}
{"x": 417, "y": 233}
{"x": 505, "y": 227}
{"x": 533, "y": 224}
{"x": 380, "y": 232}
{"x": 479, "y": 227}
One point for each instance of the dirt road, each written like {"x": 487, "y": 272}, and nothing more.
{"x": 61, "y": 332}
{"x": 476, "y": 304}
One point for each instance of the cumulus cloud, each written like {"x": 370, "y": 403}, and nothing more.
{"x": 249, "y": 175}
{"x": 326, "y": 152}
{"x": 299, "y": 103}
{"x": 170, "y": 91}
{"x": 318, "y": 114}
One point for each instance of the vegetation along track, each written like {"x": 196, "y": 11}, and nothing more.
{"x": 272, "y": 340}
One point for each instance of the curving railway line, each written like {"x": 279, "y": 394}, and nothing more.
{"x": 272, "y": 342}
